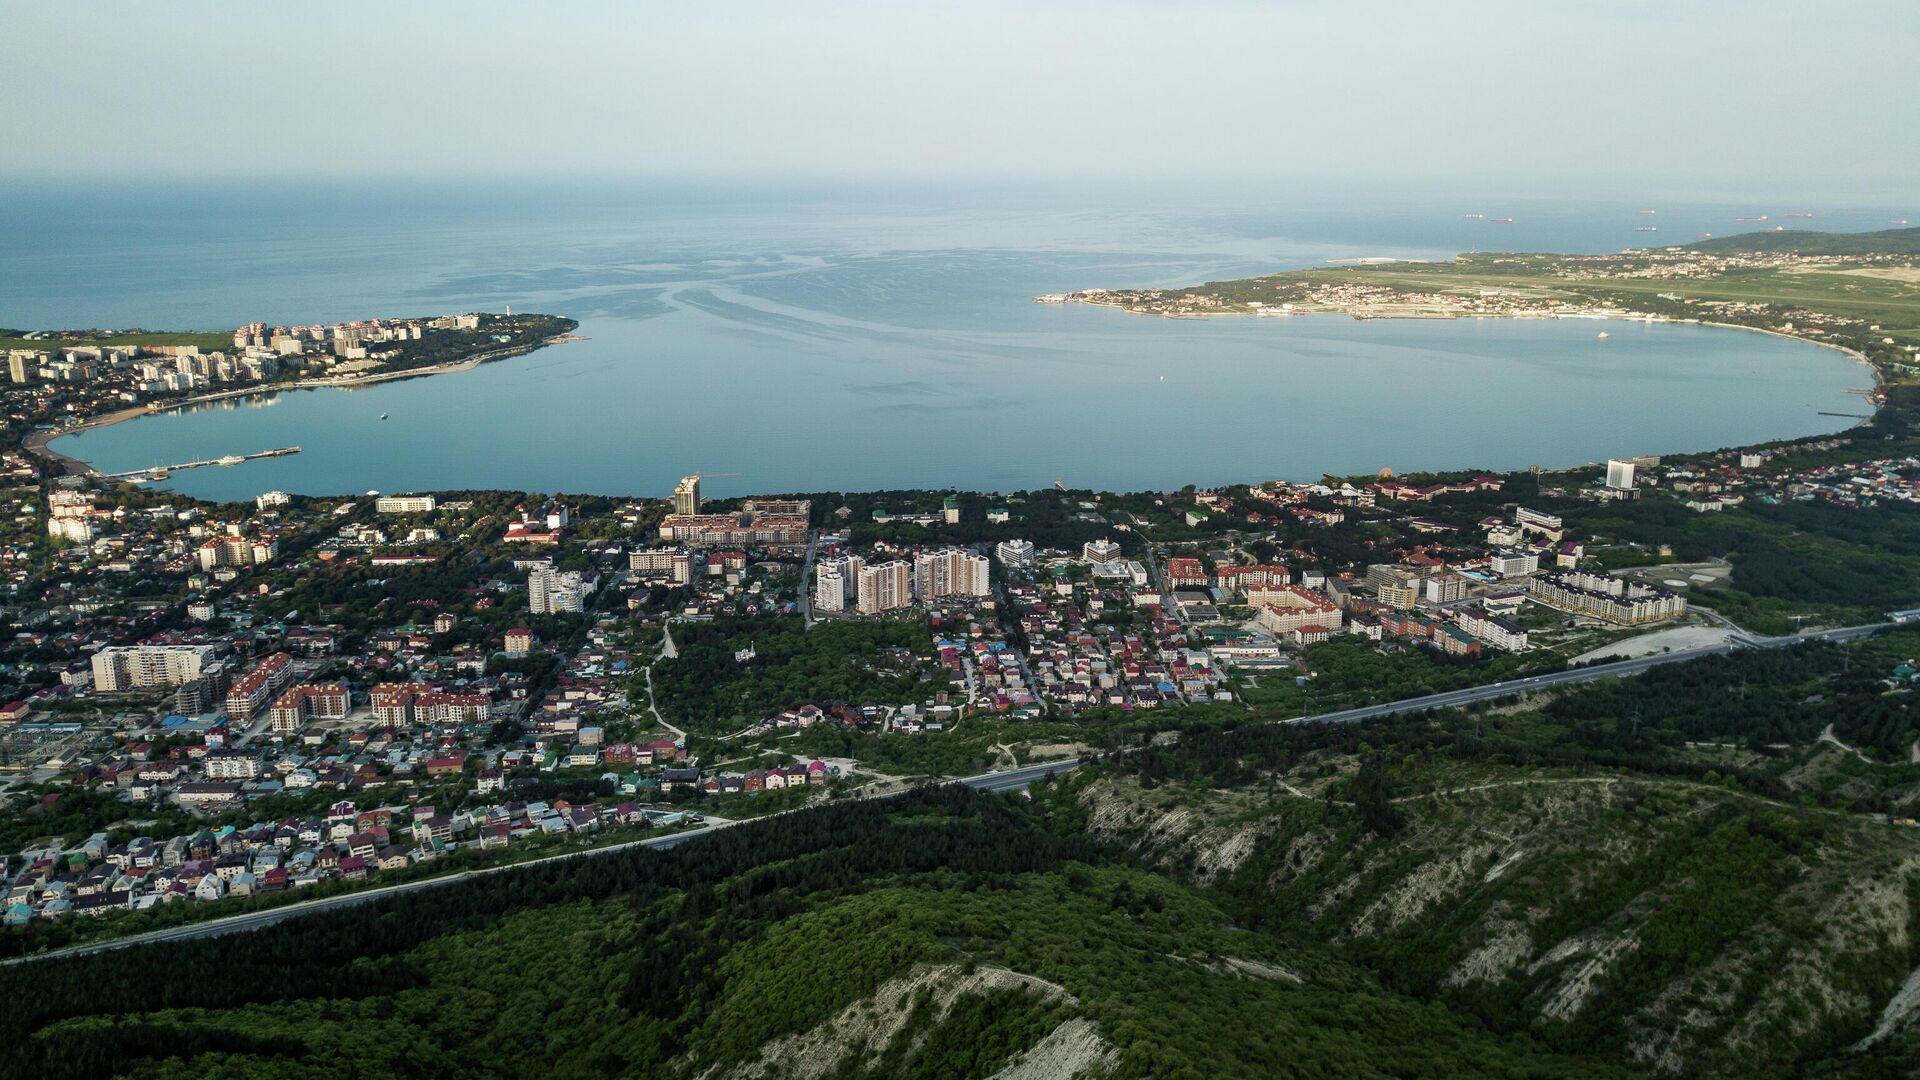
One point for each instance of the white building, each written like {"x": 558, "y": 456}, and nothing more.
{"x": 404, "y": 504}
{"x": 268, "y": 500}
{"x": 1620, "y": 475}
{"x": 1514, "y": 563}
{"x": 1015, "y": 554}
{"x": 133, "y": 667}
{"x": 836, "y": 583}
{"x": 551, "y": 591}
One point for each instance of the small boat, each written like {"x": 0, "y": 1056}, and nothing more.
{"x": 1603, "y": 335}
{"x": 1647, "y": 213}
{"x": 1647, "y": 228}
{"x": 383, "y": 416}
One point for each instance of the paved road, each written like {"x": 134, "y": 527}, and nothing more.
{"x": 806, "y": 580}
{"x": 1005, "y": 780}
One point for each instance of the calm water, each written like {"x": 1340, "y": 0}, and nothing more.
{"x": 871, "y": 338}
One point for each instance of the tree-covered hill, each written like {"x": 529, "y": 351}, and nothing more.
{"x": 1809, "y": 242}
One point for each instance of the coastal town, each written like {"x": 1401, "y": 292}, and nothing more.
{"x": 217, "y": 702}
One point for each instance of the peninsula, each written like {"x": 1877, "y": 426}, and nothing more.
{"x": 1859, "y": 292}
{"x": 68, "y": 381}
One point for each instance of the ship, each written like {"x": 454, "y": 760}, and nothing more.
{"x": 1900, "y": 221}
{"x": 1704, "y": 236}
{"x": 230, "y": 459}
{"x": 1752, "y": 217}
{"x": 1797, "y": 217}
{"x": 1648, "y": 213}
{"x": 1502, "y": 220}
{"x": 1647, "y": 228}
{"x": 1473, "y": 217}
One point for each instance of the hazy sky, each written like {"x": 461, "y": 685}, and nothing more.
{"x": 1759, "y": 93}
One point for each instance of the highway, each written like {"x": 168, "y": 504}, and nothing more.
{"x": 1003, "y": 780}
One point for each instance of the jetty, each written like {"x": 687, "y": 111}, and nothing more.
{"x": 160, "y": 472}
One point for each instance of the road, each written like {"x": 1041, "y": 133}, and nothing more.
{"x": 1589, "y": 673}
{"x": 806, "y": 577}
{"x": 1005, "y": 780}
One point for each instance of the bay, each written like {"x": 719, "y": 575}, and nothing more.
{"x": 839, "y": 337}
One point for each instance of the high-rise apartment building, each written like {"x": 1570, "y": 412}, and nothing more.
{"x": 551, "y": 591}
{"x": 686, "y": 495}
{"x": 885, "y": 587}
{"x": 837, "y": 583}
{"x": 951, "y": 572}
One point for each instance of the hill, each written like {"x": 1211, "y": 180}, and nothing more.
{"x": 1808, "y": 242}
{"x": 943, "y": 934}
{"x": 1695, "y": 872}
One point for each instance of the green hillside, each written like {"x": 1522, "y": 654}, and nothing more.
{"x": 1696, "y": 872}
{"x": 1809, "y": 242}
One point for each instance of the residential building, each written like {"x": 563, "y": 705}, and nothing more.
{"x": 403, "y": 504}
{"x": 885, "y": 587}
{"x": 551, "y": 591}
{"x": 136, "y": 667}
{"x": 836, "y": 583}
{"x": 1015, "y": 554}
{"x": 951, "y": 572}
{"x": 686, "y": 495}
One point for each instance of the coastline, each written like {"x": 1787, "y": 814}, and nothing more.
{"x": 1610, "y": 314}
{"x": 39, "y": 443}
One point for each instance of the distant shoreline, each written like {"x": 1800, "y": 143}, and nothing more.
{"x": 39, "y": 442}
{"x": 1608, "y": 315}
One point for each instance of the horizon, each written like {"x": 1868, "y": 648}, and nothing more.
{"x": 1635, "y": 98}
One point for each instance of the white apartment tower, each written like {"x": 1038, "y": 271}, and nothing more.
{"x": 551, "y": 591}
{"x": 837, "y": 583}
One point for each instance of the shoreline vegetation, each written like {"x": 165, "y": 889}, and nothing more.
{"x": 39, "y": 443}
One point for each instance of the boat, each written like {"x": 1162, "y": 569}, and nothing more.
{"x": 1752, "y": 217}
{"x": 1473, "y": 217}
{"x": 1647, "y": 228}
{"x": 230, "y": 459}
{"x": 383, "y": 416}
{"x": 1704, "y": 236}
{"x": 1797, "y": 217}
{"x": 1900, "y": 221}
{"x": 1648, "y": 213}
{"x": 1502, "y": 221}
{"x": 1603, "y": 335}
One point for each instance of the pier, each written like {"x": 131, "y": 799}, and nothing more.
{"x": 160, "y": 472}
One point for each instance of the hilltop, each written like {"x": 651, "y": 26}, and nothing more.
{"x": 1809, "y": 242}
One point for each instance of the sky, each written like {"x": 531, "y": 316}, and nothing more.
{"x": 1767, "y": 95}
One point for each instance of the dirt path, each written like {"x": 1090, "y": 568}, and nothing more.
{"x": 667, "y": 652}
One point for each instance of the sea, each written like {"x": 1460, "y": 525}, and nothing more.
{"x": 853, "y": 335}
